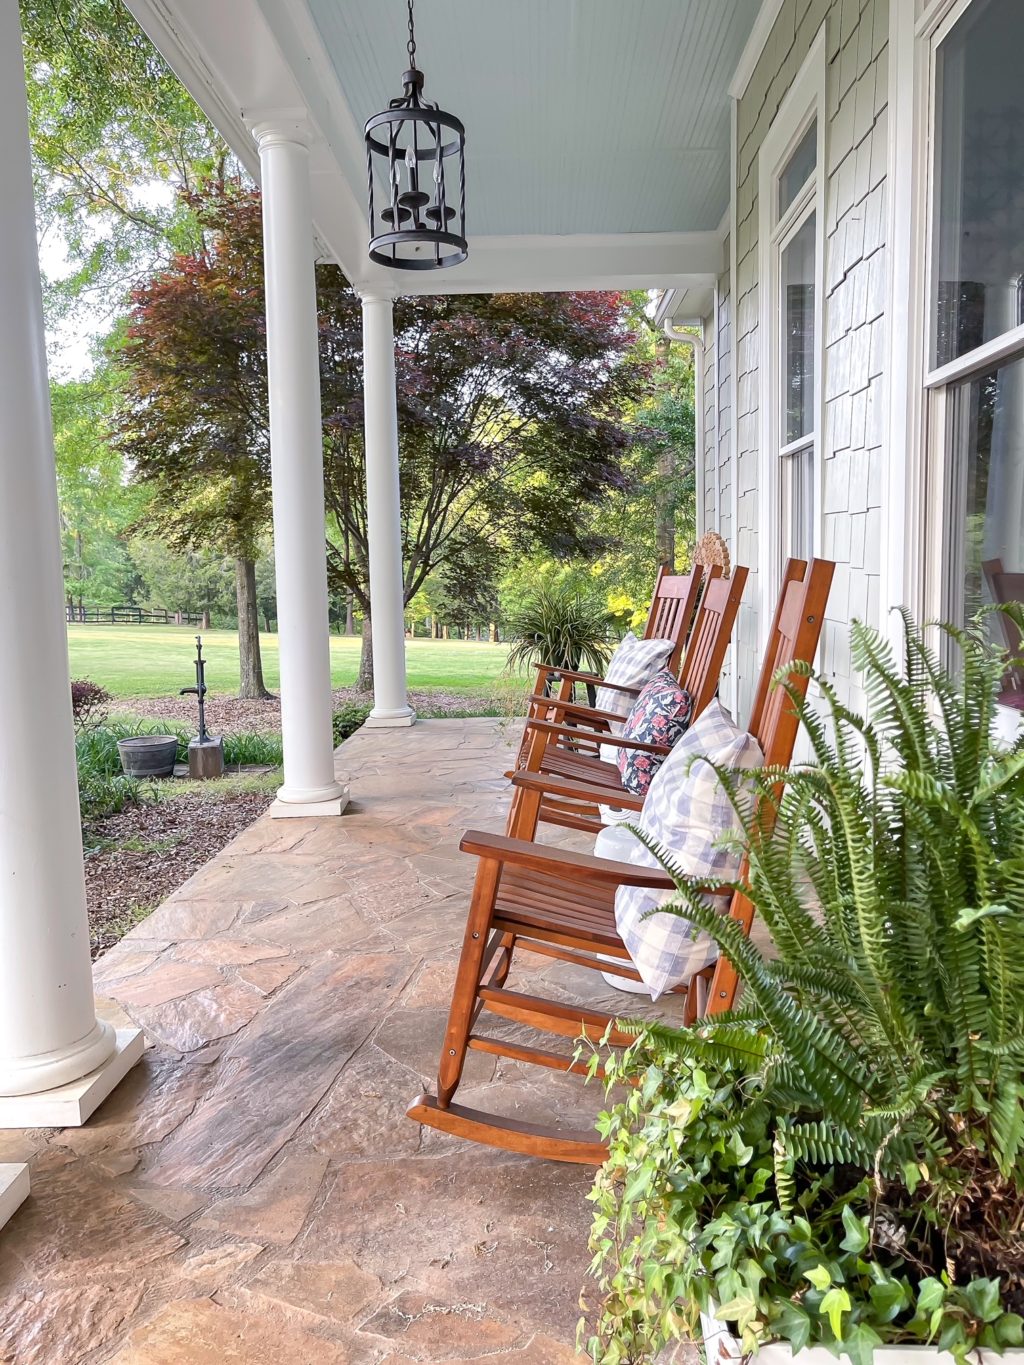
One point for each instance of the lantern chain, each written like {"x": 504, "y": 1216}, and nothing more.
{"x": 411, "y": 44}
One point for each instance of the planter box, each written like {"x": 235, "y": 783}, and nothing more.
{"x": 148, "y": 755}
{"x": 721, "y": 1347}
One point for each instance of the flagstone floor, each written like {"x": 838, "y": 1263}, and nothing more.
{"x": 253, "y": 1192}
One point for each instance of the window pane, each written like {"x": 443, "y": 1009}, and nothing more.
{"x": 989, "y": 422}
{"x": 798, "y": 333}
{"x": 979, "y": 177}
{"x": 798, "y": 503}
{"x": 798, "y": 168}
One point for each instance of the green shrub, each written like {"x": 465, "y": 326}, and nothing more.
{"x": 103, "y": 789}
{"x": 89, "y": 703}
{"x": 348, "y": 720}
{"x": 103, "y": 794}
{"x": 253, "y": 748}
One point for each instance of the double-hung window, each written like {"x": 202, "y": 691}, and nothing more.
{"x": 790, "y": 226}
{"x": 975, "y": 346}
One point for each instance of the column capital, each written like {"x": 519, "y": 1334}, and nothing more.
{"x": 278, "y": 127}
{"x": 374, "y": 294}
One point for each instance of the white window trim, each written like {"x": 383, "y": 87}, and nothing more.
{"x": 804, "y": 101}
{"x": 916, "y": 569}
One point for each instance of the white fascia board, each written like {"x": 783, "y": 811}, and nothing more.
{"x": 553, "y": 264}
{"x": 226, "y": 58}
{"x": 686, "y": 307}
{"x": 755, "y": 45}
{"x": 167, "y": 28}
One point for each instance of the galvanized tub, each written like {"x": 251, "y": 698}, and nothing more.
{"x": 148, "y": 755}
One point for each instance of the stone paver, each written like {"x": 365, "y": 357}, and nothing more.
{"x": 253, "y": 1192}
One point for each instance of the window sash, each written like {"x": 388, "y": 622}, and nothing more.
{"x": 936, "y": 24}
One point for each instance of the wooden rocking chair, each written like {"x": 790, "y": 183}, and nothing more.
{"x": 561, "y": 905}
{"x": 1008, "y": 587}
{"x": 670, "y": 617}
{"x": 559, "y": 747}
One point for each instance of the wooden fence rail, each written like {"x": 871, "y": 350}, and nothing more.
{"x": 134, "y": 616}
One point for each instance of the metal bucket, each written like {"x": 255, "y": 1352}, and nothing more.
{"x": 148, "y": 755}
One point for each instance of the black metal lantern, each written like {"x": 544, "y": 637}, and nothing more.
{"x": 421, "y": 189}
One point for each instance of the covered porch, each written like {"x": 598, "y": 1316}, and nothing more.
{"x": 285, "y": 83}
{"x": 256, "y": 1170}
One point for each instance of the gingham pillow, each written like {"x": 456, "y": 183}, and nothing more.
{"x": 633, "y": 664}
{"x": 660, "y": 715}
{"x": 688, "y": 813}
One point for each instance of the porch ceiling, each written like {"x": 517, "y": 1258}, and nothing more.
{"x": 597, "y": 130}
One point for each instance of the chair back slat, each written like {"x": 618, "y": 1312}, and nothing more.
{"x": 709, "y": 639}
{"x": 796, "y": 630}
{"x": 1007, "y": 587}
{"x": 671, "y": 613}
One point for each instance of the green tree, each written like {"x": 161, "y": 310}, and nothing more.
{"x": 185, "y": 580}
{"x": 510, "y": 413}
{"x": 510, "y": 429}
{"x": 96, "y": 506}
{"x": 653, "y": 520}
{"x": 115, "y": 137}
{"x": 193, "y": 420}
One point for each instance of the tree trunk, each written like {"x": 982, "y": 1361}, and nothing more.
{"x": 364, "y": 682}
{"x": 350, "y": 628}
{"x": 250, "y": 664}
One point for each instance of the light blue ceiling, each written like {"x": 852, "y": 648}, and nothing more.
{"x": 582, "y": 116}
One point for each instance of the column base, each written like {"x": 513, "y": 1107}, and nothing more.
{"x": 13, "y": 1189}
{"x": 285, "y": 810}
{"x": 71, "y": 1105}
{"x": 387, "y": 720}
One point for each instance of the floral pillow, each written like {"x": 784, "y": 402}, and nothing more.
{"x": 661, "y": 714}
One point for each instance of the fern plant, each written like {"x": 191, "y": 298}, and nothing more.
{"x": 885, "y": 1034}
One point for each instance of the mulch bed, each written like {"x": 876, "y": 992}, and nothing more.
{"x": 232, "y": 715}
{"x": 172, "y": 839}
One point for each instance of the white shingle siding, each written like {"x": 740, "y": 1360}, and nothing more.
{"x": 705, "y": 459}
{"x": 851, "y": 465}
{"x": 724, "y": 414}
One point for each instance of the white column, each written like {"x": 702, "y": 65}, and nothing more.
{"x": 297, "y": 473}
{"x": 383, "y": 515}
{"x": 49, "y": 1033}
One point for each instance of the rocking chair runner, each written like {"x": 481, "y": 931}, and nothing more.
{"x": 562, "y": 905}
{"x": 559, "y": 747}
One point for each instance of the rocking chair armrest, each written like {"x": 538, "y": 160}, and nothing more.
{"x": 575, "y": 674}
{"x": 594, "y": 679}
{"x": 572, "y": 708}
{"x": 562, "y": 862}
{"x": 565, "y": 789}
{"x": 552, "y": 727}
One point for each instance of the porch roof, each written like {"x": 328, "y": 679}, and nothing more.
{"x": 597, "y": 132}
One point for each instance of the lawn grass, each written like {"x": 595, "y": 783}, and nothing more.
{"x": 154, "y": 661}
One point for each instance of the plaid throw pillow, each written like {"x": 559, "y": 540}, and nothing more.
{"x": 633, "y": 664}
{"x": 688, "y": 813}
{"x": 660, "y": 715}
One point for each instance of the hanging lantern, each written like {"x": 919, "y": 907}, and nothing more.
{"x": 416, "y": 179}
